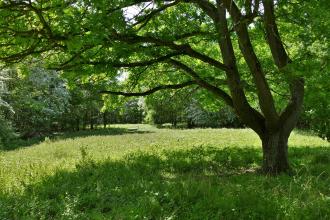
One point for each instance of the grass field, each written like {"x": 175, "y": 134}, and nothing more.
{"x": 149, "y": 173}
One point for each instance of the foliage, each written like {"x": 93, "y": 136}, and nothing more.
{"x": 161, "y": 173}
{"x": 83, "y": 109}
{"x": 167, "y": 107}
{"x": 132, "y": 111}
{"x": 6, "y": 130}
{"x": 189, "y": 107}
{"x": 39, "y": 98}
{"x": 200, "y": 117}
{"x": 3, "y": 89}
{"x": 7, "y": 133}
{"x": 305, "y": 29}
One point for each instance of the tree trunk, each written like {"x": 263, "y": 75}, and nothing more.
{"x": 77, "y": 124}
{"x": 174, "y": 122}
{"x": 275, "y": 153}
{"x": 190, "y": 123}
{"x": 105, "y": 120}
{"x": 92, "y": 123}
{"x": 85, "y": 121}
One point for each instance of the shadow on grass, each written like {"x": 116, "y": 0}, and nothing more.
{"x": 20, "y": 143}
{"x": 201, "y": 183}
{"x": 99, "y": 132}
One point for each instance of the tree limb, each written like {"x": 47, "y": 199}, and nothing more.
{"x": 265, "y": 97}
{"x": 290, "y": 115}
{"x": 215, "y": 90}
{"x": 145, "y": 19}
{"x": 279, "y": 54}
{"x": 150, "y": 91}
{"x": 184, "y": 48}
{"x": 65, "y": 65}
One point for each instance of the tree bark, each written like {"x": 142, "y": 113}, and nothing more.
{"x": 77, "y": 124}
{"x": 275, "y": 143}
{"x": 275, "y": 153}
{"x": 92, "y": 123}
{"x": 85, "y": 122}
{"x": 105, "y": 120}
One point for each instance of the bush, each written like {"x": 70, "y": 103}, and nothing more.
{"x": 197, "y": 116}
{"x": 6, "y": 133}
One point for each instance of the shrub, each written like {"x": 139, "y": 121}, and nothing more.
{"x": 6, "y": 133}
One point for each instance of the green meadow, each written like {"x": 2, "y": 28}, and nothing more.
{"x": 141, "y": 172}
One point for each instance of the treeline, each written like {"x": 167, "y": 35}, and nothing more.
{"x": 38, "y": 102}
{"x": 35, "y": 102}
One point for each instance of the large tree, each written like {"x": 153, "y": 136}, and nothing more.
{"x": 168, "y": 45}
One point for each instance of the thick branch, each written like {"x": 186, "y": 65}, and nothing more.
{"x": 146, "y": 63}
{"x": 42, "y": 20}
{"x": 215, "y": 90}
{"x": 266, "y": 100}
{"x": 280, "y": 56}
{"x": 290, "y": 115}
{"x": 145, "y": 19}
{"x": 207, "y": 7}
{"x": 249, "y": 116}
{"x": 150, "y": 91}
{"x": 119, "y": 64}
{"x": 184, "y": 48}
{"x": 132, "y": 3}
{"x": 24, "y": 53}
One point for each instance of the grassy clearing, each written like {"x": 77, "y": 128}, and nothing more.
{"x": 152, "y": 173}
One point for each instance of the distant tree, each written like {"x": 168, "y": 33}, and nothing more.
{"x": 132, "y": 111}
{"x": 197, "y": 116}
{"x": 3, "y": 89}
{"x": 167, "y": 107}
{"x": 39, "y": 98}
{"x": 184, "y": 106}
{"x": 6, "y": 130}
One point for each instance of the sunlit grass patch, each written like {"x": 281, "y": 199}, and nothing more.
{"x": 162, "y": 174}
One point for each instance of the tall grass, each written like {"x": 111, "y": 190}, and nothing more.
{"x": 152, "y": 173}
